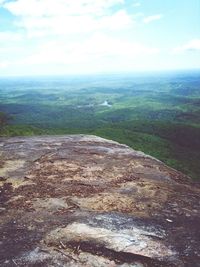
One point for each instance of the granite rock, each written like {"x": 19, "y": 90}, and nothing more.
{"x": 86, "y": 201}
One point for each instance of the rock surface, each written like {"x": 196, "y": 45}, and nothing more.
{"x": 86, "y": 201}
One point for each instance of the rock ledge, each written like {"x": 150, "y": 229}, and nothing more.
{"x": 85, "y": 201}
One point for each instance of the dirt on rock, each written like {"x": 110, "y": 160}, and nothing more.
{"x": 85, "y": 201}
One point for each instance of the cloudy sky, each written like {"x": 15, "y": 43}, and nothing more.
{"x": 89, "y": 36}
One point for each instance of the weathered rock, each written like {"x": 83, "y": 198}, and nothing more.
{"x": 86, "y": 201}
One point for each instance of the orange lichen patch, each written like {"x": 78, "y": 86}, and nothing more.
{"x": 16, "y": 183}
{"x": 119, "y": 203}
{"x": 107, "y": 202}
{"x": 51, "y": 204}
{"x": 139, "y": 198}
{"x": 15, "y": 198}
{"x": 144, "y": 189}
{"x": 10, "y": 166}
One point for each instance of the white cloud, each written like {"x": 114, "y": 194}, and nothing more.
{"x": 9, "y": 37}
{"x": 98, "y": 53}
{"x": 68, "y": 33}
{"x": 152, "y": 18}
{"x": 103, "y": 45}
{"x": 98, "y": 47}
{"x": 137, "y": 4}
{"x": 50, "y": 17}
{"x": 35, "y": 8}
{"x": 193, "y": 45}
{"x": 117, "y": 21}
{"x": 64, "y": 25}
{"x": 4, "y": 64}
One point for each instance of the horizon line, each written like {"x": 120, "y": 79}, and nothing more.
{"x": 135, "y": 72}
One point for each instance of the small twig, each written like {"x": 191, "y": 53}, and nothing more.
{"x": 15, "y": 262}
{"x": 76, "y": 250}
{"x": 63, "y": 253}
{"x": 63, "y": 246}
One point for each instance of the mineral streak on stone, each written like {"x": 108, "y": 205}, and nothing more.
{"x": 86, "y": 201}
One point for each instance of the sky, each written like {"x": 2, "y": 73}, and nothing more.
{"x": 52, "y": 37}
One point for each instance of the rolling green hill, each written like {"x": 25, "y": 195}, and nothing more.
{"x": 157, "y": 114}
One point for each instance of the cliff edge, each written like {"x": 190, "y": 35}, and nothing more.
{"x": 86, "y": 201}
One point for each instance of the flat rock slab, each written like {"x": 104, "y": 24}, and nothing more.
{"x": 85, "y": 201}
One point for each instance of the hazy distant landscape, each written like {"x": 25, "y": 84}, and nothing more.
{"x": 158, "y": 114}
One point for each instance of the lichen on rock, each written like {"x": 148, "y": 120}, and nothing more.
{"x": 86, "y": 201}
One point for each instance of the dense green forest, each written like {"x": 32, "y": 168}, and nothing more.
{"x": 158, "y": 114}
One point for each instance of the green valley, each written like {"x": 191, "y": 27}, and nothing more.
{"x": 157, "y": 113}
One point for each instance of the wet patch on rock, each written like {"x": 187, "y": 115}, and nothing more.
{"x": 86, "y": 201}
